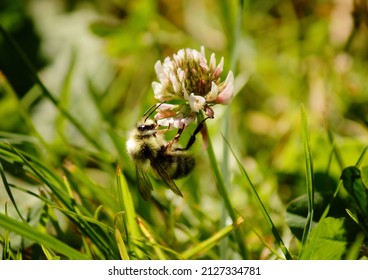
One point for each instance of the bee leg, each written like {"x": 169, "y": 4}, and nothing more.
{"x": 196, "y": 131}
{"x": 176, "y": 138}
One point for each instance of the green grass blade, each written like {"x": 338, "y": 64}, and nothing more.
{"x": 152, "y": 242}
{"x": 261, "y": 206}
{"x": 361, "y": 157}
{"x": 309, "y": 178}
{"x": 226, "y": 131}
{"x": 354, "y": 250}
{"x": 336, "y": 151}
{"x": 121, "y": 245}
{"x": 127, "y": 207}
{"x": 50, "y": 255}
{"x": 37, "y": 168}
{"x": 213, "y": 240}
{"x": 65, "y": 95}
{"x": 9, "y": 192}
{"x": 224, "y": 194}
{"x": 47, "y": 240}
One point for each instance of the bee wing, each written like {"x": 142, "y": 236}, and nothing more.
{"x": 144, "y": 184}
{"x": 165, "y": 177}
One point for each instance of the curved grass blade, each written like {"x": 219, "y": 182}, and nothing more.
{"x": 213, "y": 240}
{"x": 47, "y": 240}
{"x": 148, "y": 234}
{"x": 261, "y": 206}
{"x": 9, "y": 192}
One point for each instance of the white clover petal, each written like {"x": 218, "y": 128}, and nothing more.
{"x": 165, "y": 122}
{"x": 161, "y": 72}
{"x": 185, "y": 93}
{"x": 180, "y": 55}
{"x": 166, "y": 107}
{"x": 157, "y": 88}
{"x": 196, "y": 102}
{"x": 181, "y": 122}
{"x": 196, "y": 56}
{"x": 204, "y": 66}
{"x": 213, "y": 62}
{"x": 175, "y": 83}
{"x": 176, "y": 122}
{"x": 212, "y": 95}
{"x": 181, "y": 75}
{"x": 159, "y": 68}
{"x": 203, "y": 52}
{"x": 168, "y": 62}
{"x": 160, "y": 92}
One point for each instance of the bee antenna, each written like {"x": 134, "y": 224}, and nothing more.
{"x": 150, "y": 110}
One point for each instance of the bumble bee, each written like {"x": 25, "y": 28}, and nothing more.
{"x": 150, "y": 151}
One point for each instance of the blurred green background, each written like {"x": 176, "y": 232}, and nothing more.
{"x": 96, "y": 58}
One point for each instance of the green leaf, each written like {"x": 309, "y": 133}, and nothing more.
{"x": 327, "y": 241}
{"x": 297, "y": 212}
{"x": 353, "y": 183}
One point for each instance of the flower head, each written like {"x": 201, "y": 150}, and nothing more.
{"x": 187, "y": 84}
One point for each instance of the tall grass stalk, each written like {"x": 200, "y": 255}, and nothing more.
{"x": 223, "y": 191}
{"x": 128, "y": 213}
{"x": 309, "y": 178}
{"x": 225, "y": 170}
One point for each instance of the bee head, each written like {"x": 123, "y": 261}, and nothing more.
{"x": 147, "y": 128}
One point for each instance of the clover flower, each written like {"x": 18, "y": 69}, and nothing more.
{"x": 188, "y": 84}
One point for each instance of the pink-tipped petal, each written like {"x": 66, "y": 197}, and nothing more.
{"x": 226, "y": 94}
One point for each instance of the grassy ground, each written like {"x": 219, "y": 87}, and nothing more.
{"x": 283, "y": 177}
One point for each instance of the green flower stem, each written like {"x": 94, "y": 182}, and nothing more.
{"x": 224, "y": 194}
